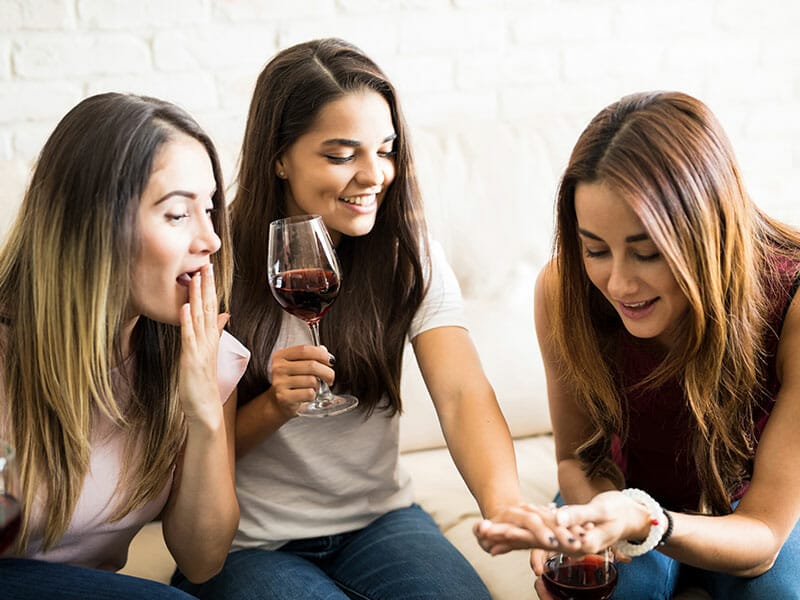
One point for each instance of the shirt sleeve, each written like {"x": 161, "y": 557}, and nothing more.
{"x": 232, "y": 360}
{"x": 442, "y": 305}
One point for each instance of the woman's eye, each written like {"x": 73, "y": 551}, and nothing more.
{"x": 594, "y": 253}
{"x": 177, "y": 218}
{"x": 648, "y": 257}
{"x": 387, "y": 154}
{"x": 339, "y": 160}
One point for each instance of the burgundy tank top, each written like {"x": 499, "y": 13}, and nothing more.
{"x": 656, "y": 456}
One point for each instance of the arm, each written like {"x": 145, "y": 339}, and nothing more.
{"x": 295, "y": 374}
{"x": 201, "y": 514}
{"x": 473, "y": 426}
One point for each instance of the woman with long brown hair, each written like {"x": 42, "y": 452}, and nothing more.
{"x": 671, "y": 341}
{"x": 327, "y": 511}
{"x": 114, "y": 375}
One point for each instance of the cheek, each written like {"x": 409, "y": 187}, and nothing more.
{"x": 596, "y": 274}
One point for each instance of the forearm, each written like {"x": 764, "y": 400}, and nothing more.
{"x": 480, "y": 444}
{"x": 575, "y": 486}
{"x": 202, "y": 514}
{"x": 256, "y": 421}
{"x": 733, "y": 544}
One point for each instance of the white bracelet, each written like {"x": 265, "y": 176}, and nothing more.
{"x": 658, "y": 524}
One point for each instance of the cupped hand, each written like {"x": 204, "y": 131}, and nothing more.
{"x": 296, "y": 372}
{"x": 201, "y": 327}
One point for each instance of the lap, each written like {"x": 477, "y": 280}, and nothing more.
{"x": 25, "y": 579}
{"x": 401, "y": 555}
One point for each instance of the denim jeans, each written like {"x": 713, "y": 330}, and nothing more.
{"x": 401, "y": 555}
{"x": 26, "y": 579}
{"x": 654, "y": 576}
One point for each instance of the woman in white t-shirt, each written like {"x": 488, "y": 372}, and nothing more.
{"x": 327, "y": 512}
{"x": 114, "y": 374}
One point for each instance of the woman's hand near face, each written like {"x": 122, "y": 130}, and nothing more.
{"x": 296, "y": 372}
{"x": 201, "y": 327}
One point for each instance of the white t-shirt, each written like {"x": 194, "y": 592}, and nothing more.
{"x": 316, "y": 477}
{"x": 92, "y": 540}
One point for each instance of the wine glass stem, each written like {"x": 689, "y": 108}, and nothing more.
{"x": 324, "y": 392}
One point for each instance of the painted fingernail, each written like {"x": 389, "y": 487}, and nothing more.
{"x": 553, "y": 541}
{"x": 331, "y": 359}
{"x": 571, "y": 540}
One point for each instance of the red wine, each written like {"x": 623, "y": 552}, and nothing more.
{"x": 10, "y": 520}
{"x": 306, "y": 293}
{"x": 586, "y": 579}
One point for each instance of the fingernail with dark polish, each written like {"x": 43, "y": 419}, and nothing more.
{"x": 571, "y": 540}
{"x": 553, "y": 541}
{"x": 331, "y": 359}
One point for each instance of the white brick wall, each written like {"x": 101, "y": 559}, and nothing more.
{"x": 496, "y": 92}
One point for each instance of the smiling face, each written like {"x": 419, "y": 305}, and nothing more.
{"x": 340, "y": 169}
{"x": 176, "y": 234}
{"x": 625, "y": 264}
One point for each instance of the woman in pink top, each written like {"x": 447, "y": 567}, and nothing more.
{"x": 117, "y": 387}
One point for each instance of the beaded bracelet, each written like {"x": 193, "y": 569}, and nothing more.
{"x": 665, "y": 538}
{"x": 658, "y": 525}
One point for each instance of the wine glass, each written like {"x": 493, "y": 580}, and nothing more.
{"x": 304, "y": 276}
{"x": 587, "y": 577}
{"x": 10, "y": 509}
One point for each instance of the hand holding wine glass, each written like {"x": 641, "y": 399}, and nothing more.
{"x": 305, "y": 276}
{"x": 10, "y": 509}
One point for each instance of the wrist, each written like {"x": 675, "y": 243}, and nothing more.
{"x": 657, "y": 520}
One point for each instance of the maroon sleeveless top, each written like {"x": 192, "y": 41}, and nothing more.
{"x": 656, "y": 456}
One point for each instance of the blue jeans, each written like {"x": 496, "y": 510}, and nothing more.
{"x": 654, "y": 576}
{"x": 26, "y": 579}
{"x": 401, "y": 555}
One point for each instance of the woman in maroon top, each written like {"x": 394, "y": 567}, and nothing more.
{"x": 671, "y": 343}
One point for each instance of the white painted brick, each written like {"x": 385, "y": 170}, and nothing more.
{"x": 194, "y": 91}
{"x": 558, "y": 98}
{"x": 260, "y": 10}
{"x": 130, "y": 15}
{"x": 745, "y": 16}
{"x": 226, "y": 131}
{"x": 423, "y": 33}
{"x": 423, "y": 74}
{"x": 369, "y": 33}
{"x": 5, "y": 59}
{"x": 393, "y": 7}
{"x": 712, "y": 53}
{"x": 23, "y": 101}
{"x": 516, "y": 68}
{"x": 14, "y": 175}
{"x": 443, "y": 108}
{"x": 563, "y": 22}
{"x": 662, "y": 20}
{"x": 777, "y": 120}
{"x": 214, "y": 48}
{"x": 757, "y": 85}
{"x": 621, "y": 60}
{"x": 6, "y": 151}
{"x": 235, "y": 89}
{"x": 49, "y": 56}
{"x": 10, "y": 15}
{"x": 781, "y": 51}
{"x": 29, "y": 138}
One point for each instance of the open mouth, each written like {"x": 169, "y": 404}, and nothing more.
{"x": 368, "y": 200}
{"x": 185, "y": 279}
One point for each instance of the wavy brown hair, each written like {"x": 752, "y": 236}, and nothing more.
{"x": 65, "y": 279}
{"x": 668, "y": 157}
{"x": 367, "y": 325}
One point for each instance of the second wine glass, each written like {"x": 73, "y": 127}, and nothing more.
{"x": 305, "y": 276}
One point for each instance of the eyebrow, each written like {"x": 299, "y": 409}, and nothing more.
{"x": 639, "y": 237}
{"x": 354, "y": 143}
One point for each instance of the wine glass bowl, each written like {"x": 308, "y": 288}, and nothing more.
{"x": 587, "y": 577}
{"x": 305, "y": 278}
{"x": 10, "y": 508}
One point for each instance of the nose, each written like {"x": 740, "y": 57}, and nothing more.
{"x": 205, "y": 240}
{"x": 622, "y": 280}
{"x": 371, "y": 172}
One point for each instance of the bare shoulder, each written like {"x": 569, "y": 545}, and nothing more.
{"x": 788, "y": 358}
{"x": 546, "y": 285}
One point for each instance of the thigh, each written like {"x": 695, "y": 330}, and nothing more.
{"x": 403, "y": 555}
{"x": 652, "y": 576}
{"x": 25, "y": 579}
{"x": 782, "y": 581}
{"x": 255, "y": 574}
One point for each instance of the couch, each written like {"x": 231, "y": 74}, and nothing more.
{"x": 489, "y": 201}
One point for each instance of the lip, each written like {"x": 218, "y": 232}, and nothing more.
{"x": 185, "y": 278}
{"x": 369, "y": 203}
{"x": 637, "y": 310}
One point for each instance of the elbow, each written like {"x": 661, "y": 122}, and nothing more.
{"x": 200, "y": 572}
{"x": 758, "y": 569}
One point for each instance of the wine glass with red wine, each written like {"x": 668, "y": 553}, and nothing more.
{"x": 588, "y": 577}
{"x": 10, "y": 509}
{"x": 304, "y": 276}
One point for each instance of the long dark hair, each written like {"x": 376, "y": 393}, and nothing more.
{"x": 65, "y": 280}
{"x": 368, "y": 323}
{"x": 667, "y": 155}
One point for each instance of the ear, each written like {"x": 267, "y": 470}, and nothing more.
{"x": 279, "y": 170}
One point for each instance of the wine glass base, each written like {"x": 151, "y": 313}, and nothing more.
{"x": 328, "y": 407}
